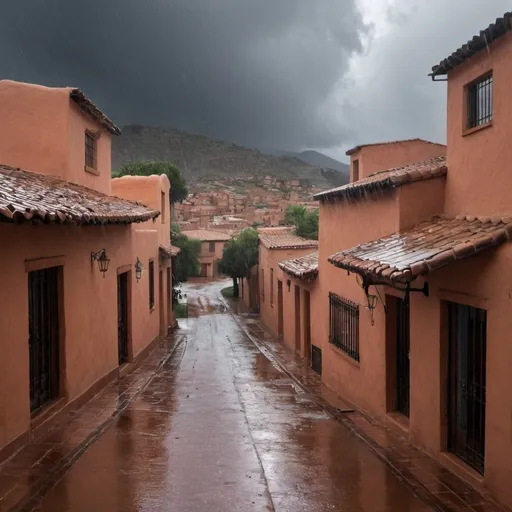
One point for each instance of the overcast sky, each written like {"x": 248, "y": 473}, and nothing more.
{"x": 287, "y": 74}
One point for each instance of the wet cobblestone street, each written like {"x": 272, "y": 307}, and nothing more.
{"x": 217, "y": 426}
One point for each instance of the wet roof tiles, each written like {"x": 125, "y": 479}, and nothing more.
{"x": 206, "y": 235}
{"x": 305, "y": 267}
{"x": 29, "y": 196}
{"x": 88, "y": 106}
{"x": 426, "y": 247}
{"x": 478, "y": 43}
{"x": 388, "y": 179}
{"x": 283, "y": 238}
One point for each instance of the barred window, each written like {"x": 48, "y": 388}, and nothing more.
{"x": 91, "y": 150}
{"x": 212, "y": 247}
{"x": 479, "y": 98}
{"x": 344, "y": 325}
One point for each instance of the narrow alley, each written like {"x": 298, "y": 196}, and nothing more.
{"x": 219, "y": 427}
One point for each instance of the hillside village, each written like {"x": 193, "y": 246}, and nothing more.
{"x": 365, "y": 367}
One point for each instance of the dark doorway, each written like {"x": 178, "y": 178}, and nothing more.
{"x": 204, "y": 270}
{"x": 297, "y": 318}
{"x": 403, "y": 347}
{"x": 122, "y": 317}
{"x": 307, "y": 326}
{"x": 43, "y": 314}
{"x": 280, "y": 326}
{"x": 161, "y": 306}
{"x": 316, "y": 359}
{"x": 467, "y": 381}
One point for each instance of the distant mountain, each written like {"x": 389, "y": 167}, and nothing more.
{"x": 314, "y": 158}
{"x": 201, "y": 158}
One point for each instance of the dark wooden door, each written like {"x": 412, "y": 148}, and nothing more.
{"x": 307, "y": 326}
{"x": 403, "y": 346}
{"x": 316, "y": 359}
{"x": 280, "y": 320}
{"x": 467, "y": 383}
{"x": 204, "y": 270}
{"x": 122, "y": 317}
{"x": 43, "y": 312}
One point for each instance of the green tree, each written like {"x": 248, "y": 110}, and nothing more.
{"x": 305, "y": 222}
{"x": 294, "y": 214}
{"x": 179, "y": 190}
{"x": 239, "y": 256}
{"x": 186, "y": 264}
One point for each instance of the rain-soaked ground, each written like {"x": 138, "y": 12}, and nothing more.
{"x": 221, "y": 428}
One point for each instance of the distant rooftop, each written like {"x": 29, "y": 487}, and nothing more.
{"x": 388, "y": 179}
{"x": 283, "y": 238}
{"x": 361, "y": 146}
{"x": 478, "y": 43}
{"x": 207, "y": 235}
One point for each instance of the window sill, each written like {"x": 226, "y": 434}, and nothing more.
{"x": 91, "y": 170}
{"x": 476, "y": 128}
{"x": 345, "y": 356}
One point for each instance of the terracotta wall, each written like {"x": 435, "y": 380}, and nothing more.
{"x": 90, "y": 309}
{"x": 479, "y": 176}
{"x": 269, "y": 259}
{"x": 54, "y": 126}
{"x": 387, "y": 156}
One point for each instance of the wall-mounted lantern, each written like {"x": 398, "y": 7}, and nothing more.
{"x": 138, "y": 269}
{"x": 372, "y": 304}
{"x": 102, "y": 259}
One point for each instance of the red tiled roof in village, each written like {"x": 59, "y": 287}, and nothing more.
{"x": 305, "y": 267}
{"x": 283, "y": 238}
{"x": 29, "y": 196}
{"x": 207, "y": 235}
{"x": 169, "y": 251}
{"x": 88, "y": 106}
{"x": 424, "y": 248}
{"x": 361, "y": 146}
{"x": 390, "y": 178}
{"x": 478, "y": 43}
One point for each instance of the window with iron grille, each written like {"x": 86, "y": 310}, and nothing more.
{"x": 479, "y": 102}
{"x": 91, "y": 150}
{"x": 151, "y": 284}
{"x": 212, "y": 246}
{"x": 262, "y": 285}
{"x": 344, "y": 325}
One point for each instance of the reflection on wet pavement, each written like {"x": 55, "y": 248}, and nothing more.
{"x": 221, "y": 428}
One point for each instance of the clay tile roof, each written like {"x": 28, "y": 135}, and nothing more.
{"x": 388, "y": 179}
{"x": 305, "y": 267}
{"x": 426, "y": 247}
{"x": 478, "y": 43}
{"x": 207, "y": 235}
{"x": 361, "y": 146}
{"x": 168, "y": 251}
{"x": 29, "y": 196}
{"x": 283, "y": 238}
{"x": 88, "y": 106}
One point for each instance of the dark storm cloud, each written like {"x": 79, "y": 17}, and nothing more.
{"x": 258, "y": 72}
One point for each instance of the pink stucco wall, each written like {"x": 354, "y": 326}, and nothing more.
{"x": 43, "y": 130}
{"x": 90, "y": 310}
{"x": 268, "y": 260}
{"x": 387, "y": 156}
{"x": 479, "y": 175}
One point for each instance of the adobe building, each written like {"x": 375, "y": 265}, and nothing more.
{"x": 411, "y": 306}
{"x": 277, "y": 296}
{"x": 212, "y": 245}
{"x": 86, "y": 273}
